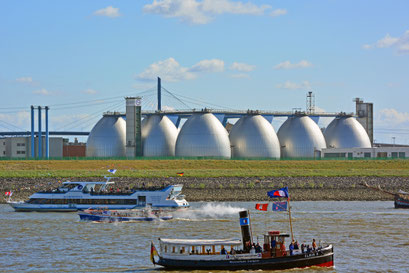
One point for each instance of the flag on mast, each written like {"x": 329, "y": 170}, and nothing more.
{"x": 113, "y": 171}
{"x": 279, "y": 206}
{"x": 153, "y": 253}
{"x": 283, "y": 192}
{"x": 262, "y": 207}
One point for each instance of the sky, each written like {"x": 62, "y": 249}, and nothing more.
{"x": 81, "y": 58}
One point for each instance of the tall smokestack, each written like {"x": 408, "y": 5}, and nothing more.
{"x": 245, "y": 229}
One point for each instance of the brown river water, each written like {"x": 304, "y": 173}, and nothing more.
{"x": 367, "y": 236}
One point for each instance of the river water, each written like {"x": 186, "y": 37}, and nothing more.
{"x": 367, "y": 236}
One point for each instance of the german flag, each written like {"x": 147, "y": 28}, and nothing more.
{"x": 153, "y": 253}
{"x": 180, "y": 174}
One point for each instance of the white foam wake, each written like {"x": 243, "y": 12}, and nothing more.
{"x": 208, "y": 211}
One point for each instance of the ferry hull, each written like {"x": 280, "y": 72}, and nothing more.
{"x": 319, "y": 258}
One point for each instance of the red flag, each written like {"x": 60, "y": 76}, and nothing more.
{"x": 263, "y": 207}
{"x": 180, "y": 174}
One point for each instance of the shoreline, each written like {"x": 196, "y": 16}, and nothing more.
{"x": 237, "y": 188}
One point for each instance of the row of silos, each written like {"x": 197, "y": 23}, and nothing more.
{"x": 252, "y": 136}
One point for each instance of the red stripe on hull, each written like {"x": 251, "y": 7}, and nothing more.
{"x": 327, "y": 264}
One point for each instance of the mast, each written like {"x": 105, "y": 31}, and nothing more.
{"x": 289, "y": 216}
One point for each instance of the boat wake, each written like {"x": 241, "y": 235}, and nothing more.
{"x": 208, "y": 211}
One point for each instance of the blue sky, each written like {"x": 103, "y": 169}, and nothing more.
{"x": 237, "y": 54}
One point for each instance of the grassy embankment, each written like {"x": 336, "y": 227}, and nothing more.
{"x": 203, "y": 168}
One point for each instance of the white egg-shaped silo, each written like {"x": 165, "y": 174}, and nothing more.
{"x": 107, "y": 138}
{"x": 300, "y": 137}
{"x": 159, "y": 136}
{"x": 252, "y": 136}
{"x": 346, "y": 132}
{"x": 203, "y": 135}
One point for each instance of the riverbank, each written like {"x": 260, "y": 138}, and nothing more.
{"x": 237, "y": 188}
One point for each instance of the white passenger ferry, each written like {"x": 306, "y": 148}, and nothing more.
{"x": 74, "y": 196}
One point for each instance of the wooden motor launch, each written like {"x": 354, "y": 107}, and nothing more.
{"x": 234, "y": 254}
{"x": 401, "y": 198}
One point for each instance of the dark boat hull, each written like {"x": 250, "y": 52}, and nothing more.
{"x": 107, "y": 218}
{"x": 323, "y": 258}
{"x": 401, "y": 203}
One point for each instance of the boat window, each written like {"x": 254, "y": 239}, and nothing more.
{"x": 141, "y": 200}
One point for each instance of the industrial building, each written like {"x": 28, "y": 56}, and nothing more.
{"x": 19, "y": 147}
{"x": 375, "y": 152}
{"x": 138, "y": 133}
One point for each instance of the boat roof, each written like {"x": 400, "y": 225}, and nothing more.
{"x": 197, "y": 242}
{"x": 403, "y": 192}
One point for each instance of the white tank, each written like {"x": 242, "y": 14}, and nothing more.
{"x": 300, "y": 137}
{"x": 252, "y": 136}
{"x": 346, "y": 132}
{"x": 203, "y": 135}
{"x": 158, "y": 136}
{"x": 107, "y": 138}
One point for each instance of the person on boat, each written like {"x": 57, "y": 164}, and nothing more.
{"x": 296, "y": 246}
{"x": 314, "y": 244}
{"x": 302, "y": 248}
{"x": 273, "y": 243}
{"x": 223, "y": 251}
{"x": 258, "y": 248}
{"x": 291, "y": 248}
{"x": 232, "y": 251}
{"x": 253, "y": 250}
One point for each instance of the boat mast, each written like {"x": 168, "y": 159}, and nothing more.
{"x": 289, "y": 215}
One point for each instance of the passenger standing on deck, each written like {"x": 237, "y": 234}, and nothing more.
{"x": 291, "y": 248}
{"x": 314, "y": 244}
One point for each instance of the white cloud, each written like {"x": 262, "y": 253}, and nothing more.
{"x": 390, "y": 116}
{"x": 24, "y": 80}
{"x": 292, "y": 85}
{"x": 240, "y": 76}
{"x": 400, "y": 43}
{"x": 278, "y": 12}
{"x": 202, "y": 12}
{"x": 42, "y": 92}
{"x": 89, "y": 91}
{"x": 109, "y": 11}
{"x": 20, "y": 119}
{"x": 170, "y": 70}
{"x": 289, "y": 65}
{"x": 214, "y": 65}
{"x": 243, "y": 67}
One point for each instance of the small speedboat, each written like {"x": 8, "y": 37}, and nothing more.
{"x": 105, "y": 215}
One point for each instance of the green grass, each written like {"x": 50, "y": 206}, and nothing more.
{"x": 202, "y": 168}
